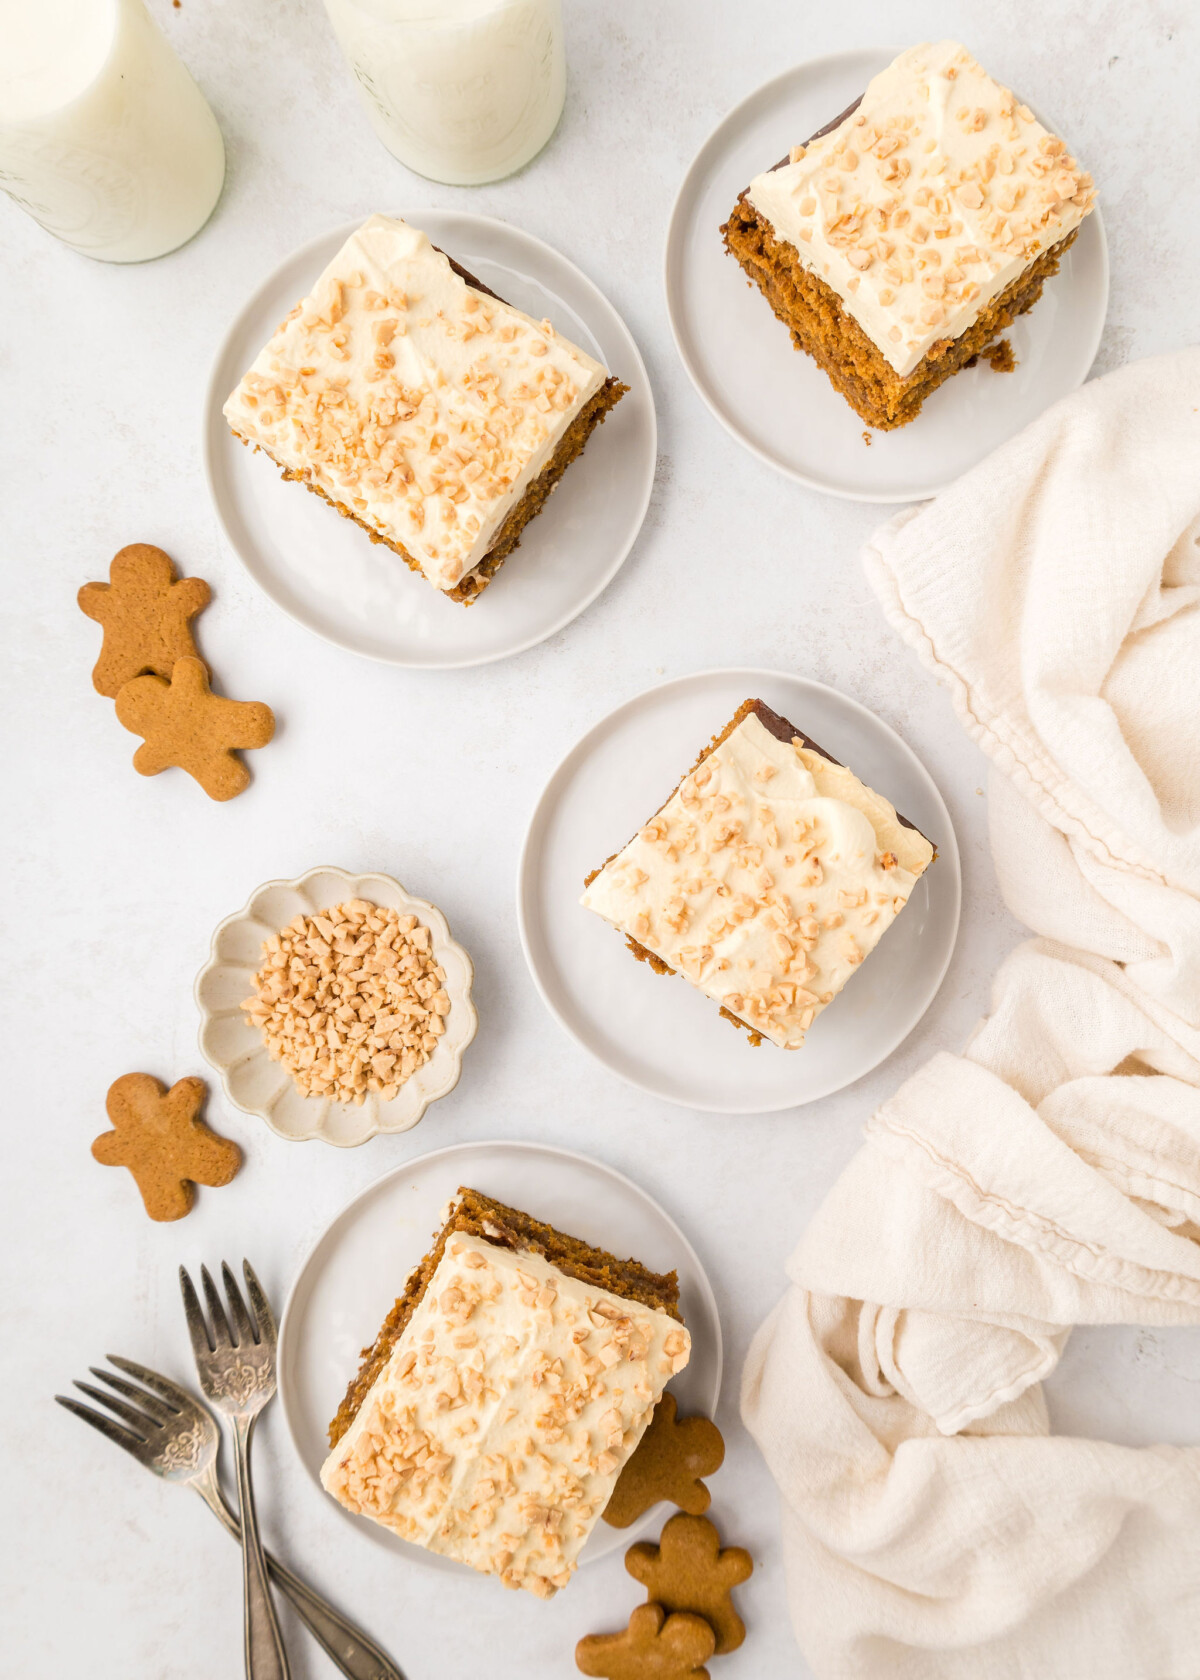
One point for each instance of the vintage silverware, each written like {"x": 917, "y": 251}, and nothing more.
{"x": 236, "y": 1367}
{"x": 172, "y": 1434}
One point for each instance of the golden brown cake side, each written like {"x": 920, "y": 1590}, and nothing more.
{"x": 508, "y": 537}
{"x": 855, "y": 367}
{"x": 898, "y": 242}
{"x": 482, "y": 1216}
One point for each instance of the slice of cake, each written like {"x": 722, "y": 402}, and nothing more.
{"x": 506, "y": 1389}
{"x": 900, "y": 241}
{"x": 422, "y": 406}
{"x": 769, "y": 875}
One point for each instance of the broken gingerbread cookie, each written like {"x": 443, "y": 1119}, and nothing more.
{"x": 668, "y": 1463}
{"x": 145, "y": 611}
{"x": 184, "y": 724}
{"x": 159, "y": 1136}
{"x": 654, "y": 1646}
{"x": 689, "y": 1572}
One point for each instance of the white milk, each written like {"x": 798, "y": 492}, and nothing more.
{"x": 104, "y": 137}
{"x": 463, "y": 91}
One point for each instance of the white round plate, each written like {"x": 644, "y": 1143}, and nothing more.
{"x": 234, "y": 1047}
{"x": 356, "y": 1268}
{"x": 776, "y": 400}
{"x": 321, "y": 568}
{"x": 655, "y": 1030}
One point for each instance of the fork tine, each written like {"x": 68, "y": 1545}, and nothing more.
{"x": 264, "y": 1319}
{"x": 118, "y": 1436}
{"x": 171, "y": 1392}
{"x": 138, "y": 1422}
{"x": 197, "y": 1328}
{"x": 246, "y": 1336}
{"x": 222, "y": 1336}
{"x": 157, "y": 1408}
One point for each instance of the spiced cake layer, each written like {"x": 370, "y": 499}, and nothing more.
{"x": 766, "y": 879}
{"x": 506, "y": 1389}
{"x": 416, "y": 402}
{"x": 896, "y": 244}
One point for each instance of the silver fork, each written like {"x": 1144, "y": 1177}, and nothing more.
{"x": 169, "y": 1432}
{"x": 236, "y": 1367}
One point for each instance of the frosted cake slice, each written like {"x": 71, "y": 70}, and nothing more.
{"x": 420, "y": 405}
{"x": 898, "y": 242}
{"x": 506, "y": 1389}
{"x": 767, "y": 878}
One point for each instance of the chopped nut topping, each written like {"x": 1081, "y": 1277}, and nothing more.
{"x": 851, "y": 194}
{"x": 343, "y": 416}
{"x": 350, "y": 1000}
{"x": 755, "y": 925}
{"x": 496, "y": 1450}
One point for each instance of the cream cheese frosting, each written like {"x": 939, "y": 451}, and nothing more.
{"x": 927, "y": 201}
{"x": 765, "y": 880}
{"x": 422, "y": 405}
{"x": 499, "y": 1425}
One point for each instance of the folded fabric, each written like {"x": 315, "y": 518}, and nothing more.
{"x": 1050, "y": 1174}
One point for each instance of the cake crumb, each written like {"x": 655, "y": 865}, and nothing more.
{"x": 999, "y": 357}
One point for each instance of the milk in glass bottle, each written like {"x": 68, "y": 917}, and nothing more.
{"x": 463, "y": 91}
{"x": 104, "y": 137}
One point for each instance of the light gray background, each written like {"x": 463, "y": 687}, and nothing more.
{"x": 114, "y": 883}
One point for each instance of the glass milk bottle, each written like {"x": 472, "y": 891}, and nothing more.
{"x": 463, "y": 91}
{"x": 104, "y": 137}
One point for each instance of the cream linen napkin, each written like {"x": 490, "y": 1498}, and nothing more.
{"x": 1050, "y": 1174}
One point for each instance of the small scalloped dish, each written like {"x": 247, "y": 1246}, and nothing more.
{"x": 234, "y": 1047}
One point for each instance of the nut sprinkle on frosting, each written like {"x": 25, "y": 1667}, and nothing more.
{"x": 497, "y": 1430}
{"x": 936, "y": 192}
{"x": 419, "y": 404}
{"x": 765, "y": 880}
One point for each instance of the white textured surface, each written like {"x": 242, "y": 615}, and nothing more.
{"x": 116, "y": 883}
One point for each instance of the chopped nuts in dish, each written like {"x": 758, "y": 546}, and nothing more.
{"x": 350, "y": 1000}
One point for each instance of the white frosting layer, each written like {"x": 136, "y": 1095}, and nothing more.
{"x": 498, "y": 1427}
{"x": 765, "y": 880}
{"x": 420, "y": 404}
{"x": 931, "y": 197}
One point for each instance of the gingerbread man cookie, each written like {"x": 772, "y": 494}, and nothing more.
{"x": 688, "y": 1571}
{"x": 145, "y": 611}
{"x": 654, "y": 1646}
{"x": 160, "y": 1137}
{"x": 185, "y": 724}
{"x": 668, "y": 1463}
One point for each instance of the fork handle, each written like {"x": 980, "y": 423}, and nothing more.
{"x": 265, "y": 1655}
{"x": 358, "y": 1656}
